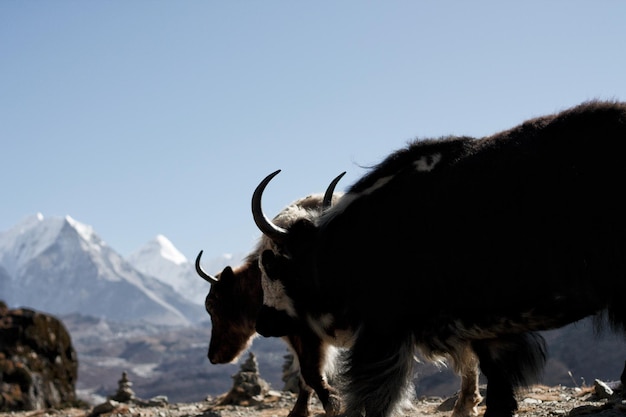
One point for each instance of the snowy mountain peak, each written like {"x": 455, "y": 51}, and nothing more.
{"x": 27, "y": 239}
{"x": 169, "y": 251}
{"x": 85, "y": 231}
{"x": 159, "y": 258}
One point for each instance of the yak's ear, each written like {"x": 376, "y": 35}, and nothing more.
{"x": 227, "y": 274}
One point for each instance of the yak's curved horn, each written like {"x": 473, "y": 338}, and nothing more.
{"x": 274, "y": 232}
{"x": 328, "y": 195}
{"x": 208, "y": 278}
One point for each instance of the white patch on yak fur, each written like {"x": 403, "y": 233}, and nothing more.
{"x": 274, "y": 294}
{"x": 378, "y": 184}
{"x": 427, "y": 163}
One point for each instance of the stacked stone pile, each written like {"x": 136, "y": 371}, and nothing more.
{"x": 248, "y": 386}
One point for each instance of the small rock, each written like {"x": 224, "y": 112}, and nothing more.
{"x": 105, "y": 407}
{"x": 211, "y": 413}
{"x": 602, "y": 390}
{"x": 531, "y": 401}
{"x": 447, "y": 404}
{"x": 158, "y": 401}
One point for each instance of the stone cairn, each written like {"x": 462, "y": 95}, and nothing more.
{"x": 248, "y": 386}
{"x": 123, "y": 398}
{"x": 124, "y": 391}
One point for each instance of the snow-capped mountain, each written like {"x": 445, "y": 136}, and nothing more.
{"x": 160, "y": 258}
{"x": 61, "y": 266}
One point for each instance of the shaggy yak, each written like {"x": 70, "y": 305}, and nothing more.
{"x": 460, "y": 244}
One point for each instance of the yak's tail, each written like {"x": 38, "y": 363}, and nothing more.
{"x": 377, "y": 378}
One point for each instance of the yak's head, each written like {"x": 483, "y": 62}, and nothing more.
{"x": 233, "y": 304}
{"x": 283, "y": 266}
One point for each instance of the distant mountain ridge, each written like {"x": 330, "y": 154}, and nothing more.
{"x": 62, "y": 266}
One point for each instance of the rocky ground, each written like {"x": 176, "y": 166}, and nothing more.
{"x": 252, "y": 396}
{"x": 538, "y": 401}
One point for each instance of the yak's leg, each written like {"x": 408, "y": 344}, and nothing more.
{"x": 509, "y": 362}
{"x": 379, "y": 373}
{"x": 301, "y": 407}
{"x": 311, "y": 355}
{"x": 501, "y": 400}
{"x": 466, "y": 404}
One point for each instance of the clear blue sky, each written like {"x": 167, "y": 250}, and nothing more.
{"x": 160, "y": 117}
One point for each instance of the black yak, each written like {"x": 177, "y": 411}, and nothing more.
{"x": 458, "y": 244}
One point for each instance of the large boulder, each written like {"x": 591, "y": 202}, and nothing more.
{"x": 38, "y": 364}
